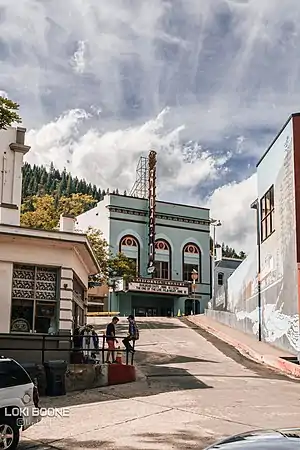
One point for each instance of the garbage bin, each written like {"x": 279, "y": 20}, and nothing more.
{"x": 55, "y": 375}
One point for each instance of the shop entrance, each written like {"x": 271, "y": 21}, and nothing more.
{"x": 152, "y": 306}
{"x": 146, "y": 312}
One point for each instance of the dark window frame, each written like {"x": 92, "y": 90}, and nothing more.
{"x": 35, "y": 300}
{"x": 197, "y": 264}
{"x": 163, "y": 273}
{"x": 187, "y": 272}
{"x": 220, "y": 277}
{"x": 267, "y": 214}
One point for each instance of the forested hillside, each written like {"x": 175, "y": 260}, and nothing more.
{"x": 48, "y": 192}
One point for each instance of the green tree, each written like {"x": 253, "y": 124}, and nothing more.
{"x": 8, "y": 113}
{"x": 44, "y": 211}
{"x": 122, "y": 266}
{"x": 117, "y": 265}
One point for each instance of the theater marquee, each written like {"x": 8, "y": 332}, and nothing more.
{"x": 153, "y": 286}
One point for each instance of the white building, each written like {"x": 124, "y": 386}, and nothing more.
{"x": 43, "y": 274}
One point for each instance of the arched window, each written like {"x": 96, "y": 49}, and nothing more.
{"x": 220, "y": 278}
{"x": 129, "y": 241}
{"x": 191, "y": 262}
{"x": 162, "y": 259}
{"x": 130, "y": 247}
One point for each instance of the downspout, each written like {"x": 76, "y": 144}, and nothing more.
{"x": 255, "y": 206}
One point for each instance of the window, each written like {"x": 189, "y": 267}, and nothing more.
{"x": 220, "y": 279}
{"x": 162, "y": 259}
{"x": 11, "y": 374}
{"x": 187, "y": 271}
{"x": 129, "y": 246}
{"x": 161, "y": 269}
{"x": 267, "y": 225}
{"x": 191, "y": 262}
{"x": 129, "y": 241}
{"x": 134, "y": 263}
{"x": 34, "y": 299}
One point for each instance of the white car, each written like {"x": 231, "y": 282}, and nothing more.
{"x": 18, "y": 403}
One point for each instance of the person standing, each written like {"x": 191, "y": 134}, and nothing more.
{"x": 133, "y": 333}
{"x": 111, "y": 339}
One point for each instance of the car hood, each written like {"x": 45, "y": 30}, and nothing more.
{"x": 282, "y": 439}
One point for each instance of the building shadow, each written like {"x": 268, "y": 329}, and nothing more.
{"x": 178, "y": 440}
{"x": 158, "y": 325}
{"x": 155, "y": 358}
{"x": 156, "y": 377}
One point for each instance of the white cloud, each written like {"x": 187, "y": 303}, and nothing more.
{"x": 231, "y": 205}
{"x": 109, "y": 158}
{"x": 78, "y": 59}
{"x": 227, "y": 69}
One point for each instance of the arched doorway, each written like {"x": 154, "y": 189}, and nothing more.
{"x": 189, "y": 306}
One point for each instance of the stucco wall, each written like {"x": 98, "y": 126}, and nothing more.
{"x": 42, "y": 253}
{"x": 279, "y": 289}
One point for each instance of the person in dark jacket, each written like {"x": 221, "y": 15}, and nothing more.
{"x": 111, "y": 339}
{"x": 133, "y": 333}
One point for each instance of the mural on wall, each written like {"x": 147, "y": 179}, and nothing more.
{"x": 280, "y": 320}
{"x": 279, "y": 289}
{"x": 279, "y": 292}
{"x": 242, "y": 284}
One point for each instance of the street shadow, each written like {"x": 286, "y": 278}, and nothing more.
{"x": 158, "y": 325}
{"x": 155, "y": 358}
{"x": 157, "y": 377}
{"x": 178, "y": 440}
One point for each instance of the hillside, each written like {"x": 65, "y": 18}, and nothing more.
{"x": 40, "y": 181}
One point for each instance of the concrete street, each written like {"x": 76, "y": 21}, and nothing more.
{"x": 194, "y": 392}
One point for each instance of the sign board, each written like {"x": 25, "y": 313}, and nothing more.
{"x": 152, "y": 202}
{"x": 158, "y": 286}
{"x": 20, "y": 325}
{"x": 119, "y": 285}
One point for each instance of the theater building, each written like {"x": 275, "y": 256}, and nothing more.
{"x": 165, "y": 254}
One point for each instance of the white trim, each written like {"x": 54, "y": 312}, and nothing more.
{"x": 166, "y": 238}
{"x": 128, "y": 232}
{"x": 192, "y": 241}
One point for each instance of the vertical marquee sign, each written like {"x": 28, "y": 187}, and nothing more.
{"x": 152, "y": 205}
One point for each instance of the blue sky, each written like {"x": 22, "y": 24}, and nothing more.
{"x": 207, "y": 83}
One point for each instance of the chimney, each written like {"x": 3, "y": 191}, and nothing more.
{"x": 67, "y": 223}
{"x": 12, "y": 151}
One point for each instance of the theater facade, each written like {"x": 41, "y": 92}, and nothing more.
{"x": 167, "y": 243}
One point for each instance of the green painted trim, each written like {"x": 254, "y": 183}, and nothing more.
{"x": 160, "y": 225}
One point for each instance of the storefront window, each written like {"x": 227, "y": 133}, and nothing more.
{"x": 34, "y": 299}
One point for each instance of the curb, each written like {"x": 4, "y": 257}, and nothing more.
{"x": 281, "y": 365}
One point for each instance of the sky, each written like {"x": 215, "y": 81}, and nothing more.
{"x": 205, "y": 83}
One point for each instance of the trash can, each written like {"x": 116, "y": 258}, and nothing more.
{"x": 55, "y": 376}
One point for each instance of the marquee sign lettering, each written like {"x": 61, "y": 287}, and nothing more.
{"x": 158, "y": 286}
{"x": 152, "y": 205}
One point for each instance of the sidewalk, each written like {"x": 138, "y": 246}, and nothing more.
{"x": 248, "y": 346}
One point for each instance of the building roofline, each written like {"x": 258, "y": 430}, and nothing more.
{"x": 161, "y": 201}
{"x": 51, "y": 235}
{"x": 277, "y": 136}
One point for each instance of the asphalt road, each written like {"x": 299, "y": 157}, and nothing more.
{"x": 194, "y": 390}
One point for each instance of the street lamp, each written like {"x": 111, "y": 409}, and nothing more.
{"x": 214, "y": 223}
{"x": 111, "y": 284}
{"x": 194, "y": 276}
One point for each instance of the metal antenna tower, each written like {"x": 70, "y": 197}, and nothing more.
{"x": 140, "y": 187}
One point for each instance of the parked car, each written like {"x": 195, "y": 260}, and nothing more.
{"x": 287, "y": 439}
{"x": 18, "y": 403}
